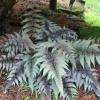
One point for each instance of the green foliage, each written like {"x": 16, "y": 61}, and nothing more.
{"x": 92, "y": 31}
{"x": 92, "y": 17}
{"x": 94, "y": 6}
{"x": 53, "y": 95}
{"x": 49, "y": 58}
{"x": 76, "y": 98}
{"x": 26, "y": 98}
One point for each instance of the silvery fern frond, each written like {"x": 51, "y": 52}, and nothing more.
{"x": 55, "y": 89}
{"x": 21, "y": 71}
{"x": 40, "y": 28}
{"x": 55, "y": 32}
{"x": 15, "y": 75}
{"x": 13, "y": 50}
{"x": 15, "y": 43}
{"x": 30, "y": 71}
{"x": 33, "y": 21}
{"x": 42, "y": 86}
{"x": 52, "y": 64}
{"x": 61, "y": 47}
{"x": 87, "y": 52}
{"x": 66, "y": 49}
{"x": 12, "y": 47}
{"x": 87, "y": 78}
{"x": 70, "y": 88}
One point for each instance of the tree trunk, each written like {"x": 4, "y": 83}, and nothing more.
{"x": 53, "y": 4}
{"x": 5, "y": 7}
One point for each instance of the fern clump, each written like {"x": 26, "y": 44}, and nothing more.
{"x": 49, "y": 58}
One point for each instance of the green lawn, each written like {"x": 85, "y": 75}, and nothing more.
{"x": 92, "y": 13}
{"x": 92, "y": 17}
{"x": 94, "y": 6}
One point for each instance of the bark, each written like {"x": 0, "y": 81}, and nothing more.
{"x": 53, "y": 4}
{"x": 5, "y": 7}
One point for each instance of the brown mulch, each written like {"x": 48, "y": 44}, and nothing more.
{"x": 87, "y": 96}
{"x": 72, "y": 23}
{"x": 17, "y": 93}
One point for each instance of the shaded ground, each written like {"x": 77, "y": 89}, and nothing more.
{"x": 92, "y": 31}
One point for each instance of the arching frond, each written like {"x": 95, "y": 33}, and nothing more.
{"x": 15, "y": 44}
{"x": 55, "y": 32}
{"x": 21, "y": 71}
{"x": 69, "y": 88}
{"x": 30, "y": 71}
{"x": 15, "y": 75}
{"x": 87, "y": 52}
{"x": 88, "y": 78}
{"x": 52, "y": 65}
{"x": 33, "y": 21}
{"x": 12, "y": 48}
{"x": 42, "y": 86}
{"x": 67, "y": 50}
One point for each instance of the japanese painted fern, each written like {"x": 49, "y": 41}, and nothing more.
{"x": 49, "y": 58}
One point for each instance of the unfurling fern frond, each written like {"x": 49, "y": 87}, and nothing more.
{"x": 87, "y": 52}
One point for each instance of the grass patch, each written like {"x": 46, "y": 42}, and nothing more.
{"x": 26, "y": 98}
{"x": 94, "y": 5}
{"x": 92, "y": 17}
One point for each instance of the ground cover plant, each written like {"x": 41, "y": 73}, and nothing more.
{"x": 48, "y": 58}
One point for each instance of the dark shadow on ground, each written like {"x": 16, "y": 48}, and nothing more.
{"x": 92, "y": 31}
